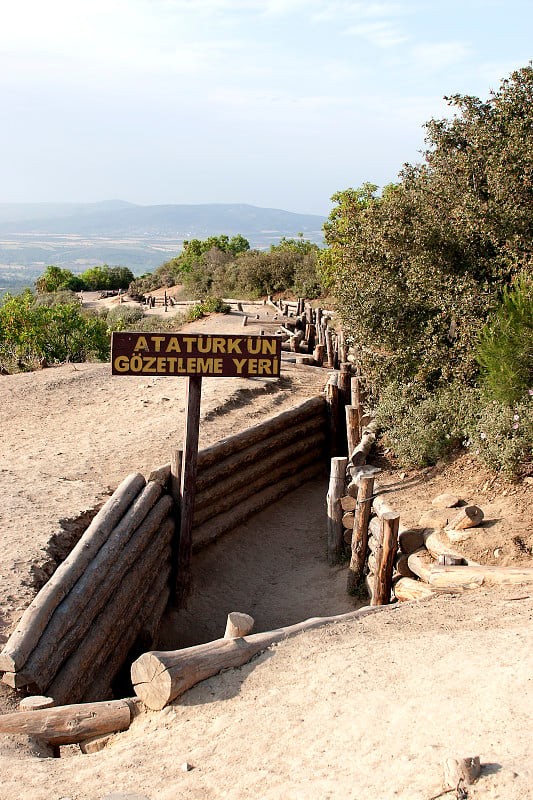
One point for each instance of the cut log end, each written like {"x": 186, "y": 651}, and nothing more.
{"x": 238, "y": 624}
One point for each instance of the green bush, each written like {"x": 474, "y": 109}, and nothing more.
{"x": 505, "y": 349}
{"x": 210, "y": 305}
{"x": 121, "y": 317}
{"x": 422, "y": 427}
{"x": 33, "y": 334}
{"x": 501, "y": 436}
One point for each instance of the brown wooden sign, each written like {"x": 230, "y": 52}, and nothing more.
{"x": 195, "y": 355}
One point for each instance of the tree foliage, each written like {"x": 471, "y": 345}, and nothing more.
{"x": 418, "y": 268}
{"x": 33, "y": 333}
{"x": 224, "y": 267}
{"x": 93, "y": 279}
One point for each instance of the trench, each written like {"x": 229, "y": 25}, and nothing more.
{"x": 273, "y": 567}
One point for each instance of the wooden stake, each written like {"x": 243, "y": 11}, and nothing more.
{"x": 188, "y": 486}
{"x": 238, "y": 625}
{"x": 332, "y": 399}
{"x": 360, "y": 532}
{"x": 389, "y": 545}
{"x": 352, "y": 428}
{"x": 335, "y": 513}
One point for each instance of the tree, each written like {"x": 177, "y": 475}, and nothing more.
{"x": 54, "y": 278}
{"x": 418, "y": 268}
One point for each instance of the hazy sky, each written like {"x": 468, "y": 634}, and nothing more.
{"x": 277, "y": 103}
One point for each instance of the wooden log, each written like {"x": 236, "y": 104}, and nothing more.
{"x": 332, "y": 400}
{"x": 348, "y": 519}
{"x": 236, "y": 465}
{"x": 352, "y": 427}
{"x": 118, "y": 616}
{"x": 223, "y": 523}
{"x": 34, "y": 620}
{"x": 279, "y": 470}
{"x": 159, "y": 677}
{"x": 36, "y": 703}
{"x": 421, "y": 562}
{"x": 260, "y": 432}
{"x": 438, "y": 546}
{"x": 401, "y": 566}
{"x": 318, "y": 354}
{"x": 113, "y": 655}
{"x": 472, "y": 576}
{"x": 245, "y": 472}
{"x": 360, "y": 454}
{"x": 69, "y": 724}
{"x": 238, "y": 625}
{"x": 466, "y": 517}
{"x": 408, "y": 589}
{"x": 75, "y": 615}
{"x": 334, "y": 510}
{"x": 348, "y": 503}
{"x": 388, "y": 547}
{"x": 360, "y": 533}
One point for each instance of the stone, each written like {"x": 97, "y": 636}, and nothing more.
{"x": 445, "y": 501}
{"x": 433, "y": 518}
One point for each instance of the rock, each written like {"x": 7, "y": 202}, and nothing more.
{"x": 445, "y": 501}
{"x": 461, "y": 769}
{"x": 433, "y": 519}
{"x": 186, "y": 767}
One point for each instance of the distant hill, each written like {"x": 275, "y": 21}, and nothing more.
{"x": 118, "y": 219}
{"x": 80, "y": 235}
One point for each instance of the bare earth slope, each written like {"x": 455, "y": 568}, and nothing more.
{"x": 361, "y": 710}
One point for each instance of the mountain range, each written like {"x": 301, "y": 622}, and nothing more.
{"x": 79, "y": 235}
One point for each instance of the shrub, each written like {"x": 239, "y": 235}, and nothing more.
{"x": 210, "y": 305}
{"x": 121, "y": 317}
{"x": 501, "y": 436}
{"x": 33, "y": 334}
{"x": 422, "y": 427}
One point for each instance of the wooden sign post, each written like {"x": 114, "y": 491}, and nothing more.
{"x": 193, "y": 356}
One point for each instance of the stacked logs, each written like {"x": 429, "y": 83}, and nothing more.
{"x": 243, "y": 474}
{"x": 76, "y": 634}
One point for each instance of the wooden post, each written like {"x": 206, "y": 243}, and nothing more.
{"x": 318, "y": 354}
{"x": 166, "y": 301}
{"x": 329, "y": 348}
{"x": 332, "y": 399}
{"x": 360, "y": 532}
{"x": 238, "y": 625}
{"x": 188, "y": 486}
{"x": 310, "y": 336}
{"x": 318, "y": 323}
{"x": 335, "y": 512}
{"x": 390, "y": 522}
{"x": 244, "y": 321}
{"x": 352, "y": 428}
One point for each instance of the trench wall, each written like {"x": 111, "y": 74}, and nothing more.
{"x": 108, "y": 596}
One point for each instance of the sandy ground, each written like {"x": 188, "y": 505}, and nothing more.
{"x": 367, "y": 709}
